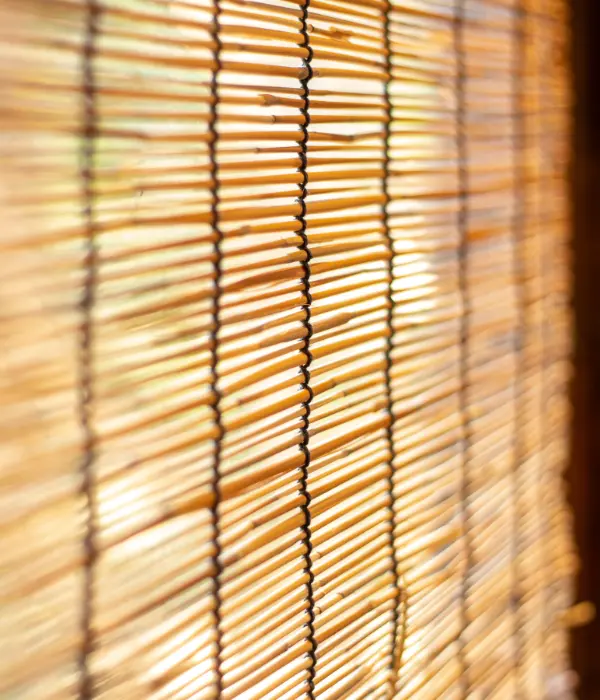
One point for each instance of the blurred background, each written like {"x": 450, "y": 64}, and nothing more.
{"x": 585, "y": 473}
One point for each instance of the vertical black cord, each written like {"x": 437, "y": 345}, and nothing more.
{"x": 307, "y": 74}
{"x": 463, "y": 283}
{"x": 86, "y": 371}
{"x": 214, "y": 342}
{"x": 518, "y": 243}
{"x": 396, "y": 653}
{"x": 541, "y": 228}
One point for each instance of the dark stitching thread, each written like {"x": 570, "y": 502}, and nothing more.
{"x": 214, "y": 339}
{"x": 403, "y": 593}
{"x": 307, "y": 74}
{"x": 463, "y": 185}
{"x": 396, "y": 656}
{"x": 517, "y": 233}
{"x": 86, "y": 379}
{"x": 543, "y": 376}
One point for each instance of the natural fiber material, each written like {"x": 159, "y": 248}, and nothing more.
{"x": 285, "y": 346}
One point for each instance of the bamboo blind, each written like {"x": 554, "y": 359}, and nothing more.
{"x": 285, "y": 343}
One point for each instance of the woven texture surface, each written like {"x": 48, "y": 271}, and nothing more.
{"x": 284, "y": 340}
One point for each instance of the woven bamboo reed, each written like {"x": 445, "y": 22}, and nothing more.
{"x": 285, "y": 337}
